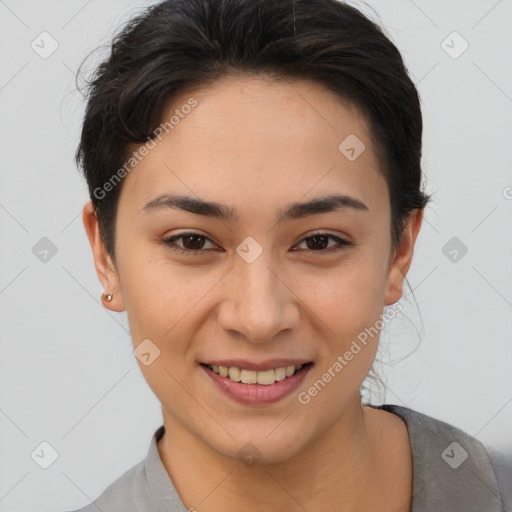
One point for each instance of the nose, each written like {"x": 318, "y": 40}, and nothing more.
{"x": 258, "y": 302}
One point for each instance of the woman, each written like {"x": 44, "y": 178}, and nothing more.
{"x": 255, "y": 181}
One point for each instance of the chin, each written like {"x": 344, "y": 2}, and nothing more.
{"x": 261, "y": 446}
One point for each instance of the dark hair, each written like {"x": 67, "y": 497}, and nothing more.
{"x": 177, "y": 46}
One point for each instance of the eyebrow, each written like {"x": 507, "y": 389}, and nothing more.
{"x": 220, "y": 211}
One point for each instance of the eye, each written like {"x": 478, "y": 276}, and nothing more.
{"x": 194, "y": 242}
{"x": 319, "y": 242}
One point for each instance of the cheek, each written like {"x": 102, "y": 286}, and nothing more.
{"x": 165, "y": 301}
{"x": 346, "y": 299}
{"x": 347, "y": 306}
{"x": 155, "y": 293}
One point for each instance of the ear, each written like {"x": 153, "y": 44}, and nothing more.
{"x": 107, "y": 273}
{"x": 402, "y": 257}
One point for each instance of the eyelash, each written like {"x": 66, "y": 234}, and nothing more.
{"x": 170, "y": 242}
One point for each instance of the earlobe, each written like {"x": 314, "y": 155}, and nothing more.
{"x": 105, "y": 268}
{"x": 402, "y": 258}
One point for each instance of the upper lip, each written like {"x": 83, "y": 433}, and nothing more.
{"x": 270, "y": 364}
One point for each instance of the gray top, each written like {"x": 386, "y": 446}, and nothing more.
{"x": 452, "y": 472}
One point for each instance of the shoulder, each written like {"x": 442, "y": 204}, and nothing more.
{"x": 452, "y": 470}
{"x": 128, "y": 493}
{"x": 145, "y": 486}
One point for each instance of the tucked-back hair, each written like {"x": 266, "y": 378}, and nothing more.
{"x": 176, "y": 46}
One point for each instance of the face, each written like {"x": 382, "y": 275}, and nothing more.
{"x": 268, "y": 282}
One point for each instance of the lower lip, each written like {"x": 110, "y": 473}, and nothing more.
{"x": 258, "y": 394}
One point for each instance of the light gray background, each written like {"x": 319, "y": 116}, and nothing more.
{"x": 67, "y": 372}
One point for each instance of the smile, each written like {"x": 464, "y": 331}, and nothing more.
{"x": 265, "y": 378}
{"x": 257, "y": 387}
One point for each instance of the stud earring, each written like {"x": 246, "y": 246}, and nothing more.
{"x": 107, "y": 296}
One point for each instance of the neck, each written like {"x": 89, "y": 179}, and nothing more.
{"x": 346, "y": 467}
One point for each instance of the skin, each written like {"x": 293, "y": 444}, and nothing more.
{"x": 257, "y": 145}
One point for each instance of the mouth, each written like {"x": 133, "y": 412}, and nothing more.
{"x": 257, "y": 377}
{"x": 260, "y": 387}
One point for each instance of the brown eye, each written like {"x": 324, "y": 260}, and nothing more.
{"x": 191, "y": 242}
{"x": 319, "y": 242}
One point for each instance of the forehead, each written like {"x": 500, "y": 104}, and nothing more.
{"x": 250, "y": 138}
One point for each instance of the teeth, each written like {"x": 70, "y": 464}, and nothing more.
{"x": 280, "y": 374}
{"x": 248, "y": 376}
{"x": 234, "y": 374}
{"x": 264, "y": 378}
